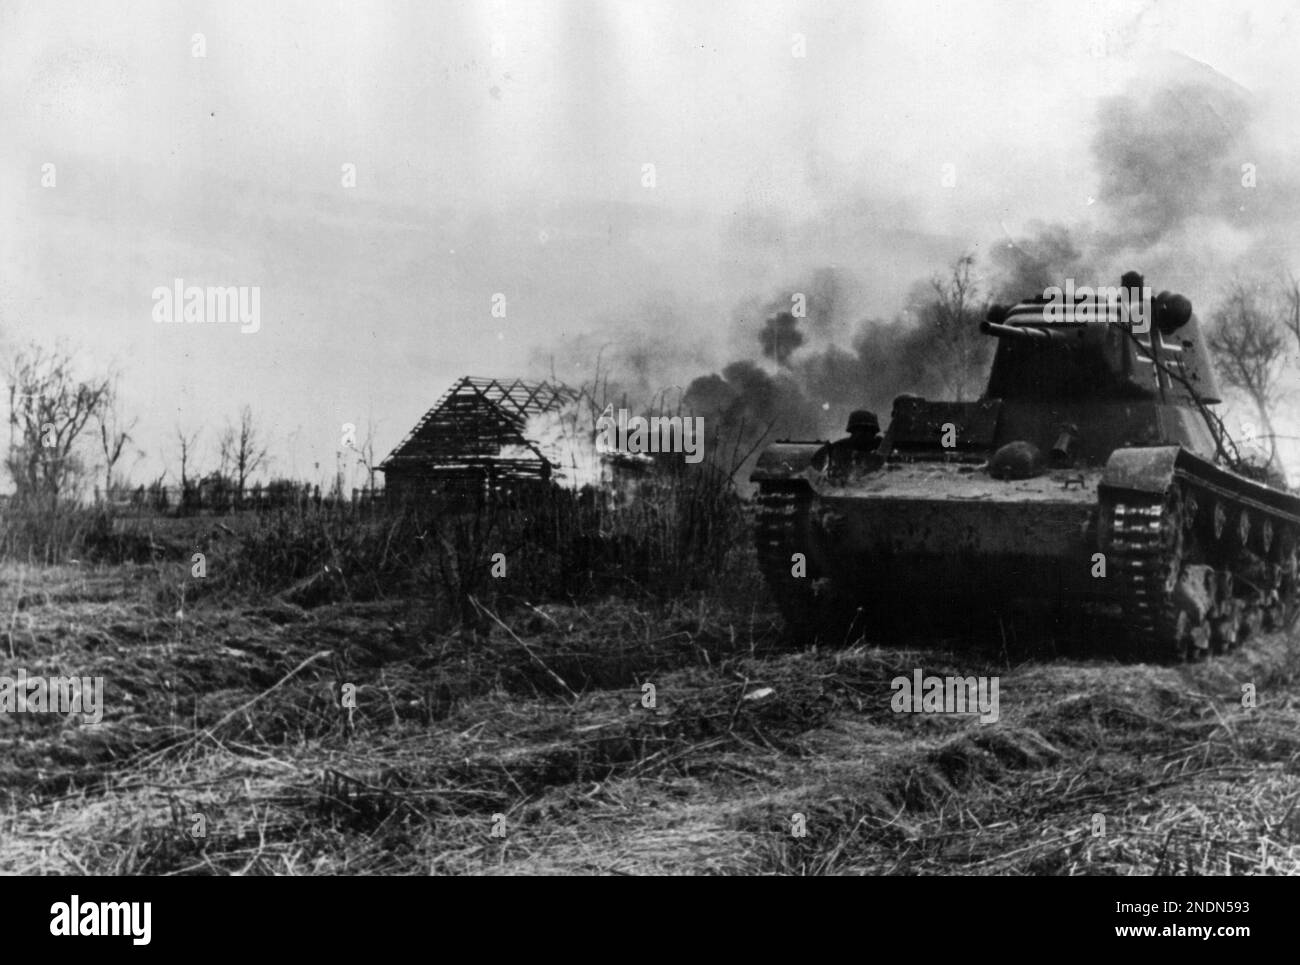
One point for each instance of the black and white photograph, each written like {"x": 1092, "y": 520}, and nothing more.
{"x": 653, "y": 438}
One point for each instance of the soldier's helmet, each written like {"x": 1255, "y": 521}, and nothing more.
{"x": 863, "y": 420}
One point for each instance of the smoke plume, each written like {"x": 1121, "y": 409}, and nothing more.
{"x": 1187, "y": 191}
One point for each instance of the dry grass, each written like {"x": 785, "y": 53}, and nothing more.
{"x": 231, "y": 711}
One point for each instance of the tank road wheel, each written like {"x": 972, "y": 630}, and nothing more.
{"x": 1274, "y": 614}
{"x": 1171, "y": 635}
{"x": 1242, "y": 533}
{"x": 1252, "y": 621}
{"x": 1145, "y": 540}
{"x": 1219, "y": 522}
{"x": 1225, "y": 618}
{"x": 1196, "y": 634}
{"x": 1283, "y": 603}
{"x": 1223, "y": 634}
{"x": 1191, "y": 510}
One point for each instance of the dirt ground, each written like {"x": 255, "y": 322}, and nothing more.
{"x": 225, "y": 746}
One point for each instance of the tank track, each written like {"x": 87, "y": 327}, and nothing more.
{"x": 780, "y": 530}
{"x": 1198, "y": 572}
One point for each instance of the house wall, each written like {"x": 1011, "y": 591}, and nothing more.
{"x": 411, "y": 484}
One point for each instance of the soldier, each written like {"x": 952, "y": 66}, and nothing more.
{"x": 864, "y": 431}
{"x": 856, "y": 452}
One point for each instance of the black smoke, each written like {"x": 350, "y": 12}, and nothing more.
{"x": 1046, "y": 256}
{"x": 780, "y": 337}
{"x": 1170, "y": 186}
{"x": 811, "y": 392}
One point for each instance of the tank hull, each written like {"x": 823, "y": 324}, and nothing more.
{"x": 944, "y": 532}
{"x": 921, "y": 536}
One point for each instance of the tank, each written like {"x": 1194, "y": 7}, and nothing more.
{"x": 1091, "y": 479}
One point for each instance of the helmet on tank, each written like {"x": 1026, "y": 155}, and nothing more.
{"x": 863, "y": 419}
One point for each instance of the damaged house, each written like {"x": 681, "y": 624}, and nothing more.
{"x": 488, "y": 436}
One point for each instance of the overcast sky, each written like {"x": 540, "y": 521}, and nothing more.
{"x": 500, "y": 147}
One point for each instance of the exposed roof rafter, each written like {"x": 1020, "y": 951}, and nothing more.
{"x": 476, "y": 421}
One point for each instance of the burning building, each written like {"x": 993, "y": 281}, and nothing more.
{"x": 496, "y": 435}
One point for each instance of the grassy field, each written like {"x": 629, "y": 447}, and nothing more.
{"x": 521, "y": 744}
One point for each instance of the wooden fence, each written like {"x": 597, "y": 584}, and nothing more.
{"x": 175, "y": 500}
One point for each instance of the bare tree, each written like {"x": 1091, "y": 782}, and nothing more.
{"x": 49, "y": 407}
{"x": 1248, "y": 340}
{"x": 950, "y": 309}
{"x": 187, "y": 445}
{"x": 241, "y": 450}
{"x": 1290, "y": 305}
{"x": 114, "y": 434}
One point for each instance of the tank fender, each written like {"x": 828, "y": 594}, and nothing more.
{"x": 1143, "y": 470}
{"x": 785, "y": 460}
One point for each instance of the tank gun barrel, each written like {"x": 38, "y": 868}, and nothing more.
{"x": 1017, "y": 331}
